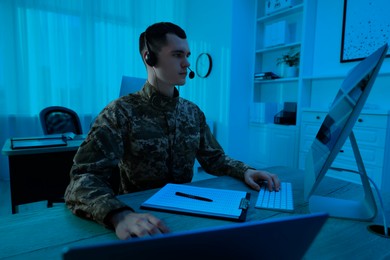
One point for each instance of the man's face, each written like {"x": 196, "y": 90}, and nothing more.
{"x": 171, "y": 68}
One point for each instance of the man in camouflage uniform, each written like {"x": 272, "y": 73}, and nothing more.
{"x": 153, "y": 137}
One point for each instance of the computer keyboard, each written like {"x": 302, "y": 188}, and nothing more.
{"x": 281, "y": 200}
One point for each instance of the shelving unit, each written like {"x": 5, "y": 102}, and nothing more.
{"x": 286, "y": 36}
{"x": 275, "y": 144}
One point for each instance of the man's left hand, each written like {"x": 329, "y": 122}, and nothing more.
{"x": 254, "y": 177}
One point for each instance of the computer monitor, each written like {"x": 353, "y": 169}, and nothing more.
{"x": 334, "y": 131}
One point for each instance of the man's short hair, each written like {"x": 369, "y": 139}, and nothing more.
{"x": 156, "y": 38}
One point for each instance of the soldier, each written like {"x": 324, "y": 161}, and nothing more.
{"x": 148, "y": 139}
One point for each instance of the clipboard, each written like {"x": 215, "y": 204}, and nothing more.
{"x": 38, "y": 142}
{"x": 200, "y": 201}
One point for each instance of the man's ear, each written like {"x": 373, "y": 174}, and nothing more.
{"x": 144, "y": 54}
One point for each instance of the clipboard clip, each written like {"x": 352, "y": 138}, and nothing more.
{"x": 244, "y": 204}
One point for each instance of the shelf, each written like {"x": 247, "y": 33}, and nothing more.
{"x": 281, "y": 13}
{"x": 322, "y": 77}
{"x": 279, "y": 47}
{"x": 276, "y": 81}
{"x": 272, "y": 125}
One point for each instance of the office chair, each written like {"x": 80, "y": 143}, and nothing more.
{"x": 58, "y": 120}
{"x": 130, "y": 85}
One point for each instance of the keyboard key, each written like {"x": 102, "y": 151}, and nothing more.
{"x": 281, "y": 200}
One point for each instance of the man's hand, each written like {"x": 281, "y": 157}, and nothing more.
{"x": 128, "y": 224}
{"x": 254, "y": 177}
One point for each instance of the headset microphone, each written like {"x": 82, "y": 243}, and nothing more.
{"x": 191, "y": 75}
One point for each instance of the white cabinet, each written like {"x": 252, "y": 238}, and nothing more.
{"x": 310, "y": 124}
{"x": 371, "y": 135}
{"x": 258, "y": 146}
{"x": 274, "y": 145}
{"x": 283, "y": 145}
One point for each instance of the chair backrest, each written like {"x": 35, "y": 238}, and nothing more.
{"x": 130, "y": 85}
{"x": 58, "y": 120}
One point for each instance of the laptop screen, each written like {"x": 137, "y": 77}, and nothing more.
{"x": 284, "y": 238}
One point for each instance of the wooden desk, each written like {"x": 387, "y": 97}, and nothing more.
{"x": 38, "y": 174}
{"x": 44, "y": 234}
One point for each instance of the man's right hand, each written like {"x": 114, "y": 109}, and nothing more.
{"x": 128, "y": 224}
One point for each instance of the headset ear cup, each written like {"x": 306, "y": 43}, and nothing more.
{"x": 150, "y": 59}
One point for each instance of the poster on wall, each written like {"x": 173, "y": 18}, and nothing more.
{"x": 366, "y": 27}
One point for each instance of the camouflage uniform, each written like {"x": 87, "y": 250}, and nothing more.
{"x": 153, "y": 140}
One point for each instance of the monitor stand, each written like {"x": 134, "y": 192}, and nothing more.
{"x": 364, "y": 209}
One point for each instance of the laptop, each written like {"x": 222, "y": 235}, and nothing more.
{"x": 282, "y": 238}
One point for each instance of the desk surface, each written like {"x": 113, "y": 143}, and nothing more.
{"x": 43, "y": 234}
{"x": 72, "y": 145}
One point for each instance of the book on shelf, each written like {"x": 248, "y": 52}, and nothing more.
{"x": 273, "y": 6}
{"x": 266, "y": 76}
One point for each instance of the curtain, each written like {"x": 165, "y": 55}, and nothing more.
{"x": 69, "y": 53}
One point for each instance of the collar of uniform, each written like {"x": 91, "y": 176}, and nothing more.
{"x": 158, "y": 101}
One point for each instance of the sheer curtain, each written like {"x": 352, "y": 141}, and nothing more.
{"x": 70, "y": 53}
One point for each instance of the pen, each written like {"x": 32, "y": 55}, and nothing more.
{"x": 178, "y": 193}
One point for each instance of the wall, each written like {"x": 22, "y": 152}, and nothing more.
{"x": 227, "y": 33}
{"x": 326, "y": 59}
{"x": 242, "y": 73}
{"x": 211, "y": 33}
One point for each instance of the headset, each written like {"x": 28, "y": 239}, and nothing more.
{"x": 151, "y": 58}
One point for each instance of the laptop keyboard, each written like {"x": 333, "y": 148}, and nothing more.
{"x": 281, "y": 200}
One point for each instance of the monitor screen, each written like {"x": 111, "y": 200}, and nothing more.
{"x": 343, "y": 114}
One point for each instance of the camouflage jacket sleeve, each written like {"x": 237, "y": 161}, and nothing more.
{"x": 90, "y": 193}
